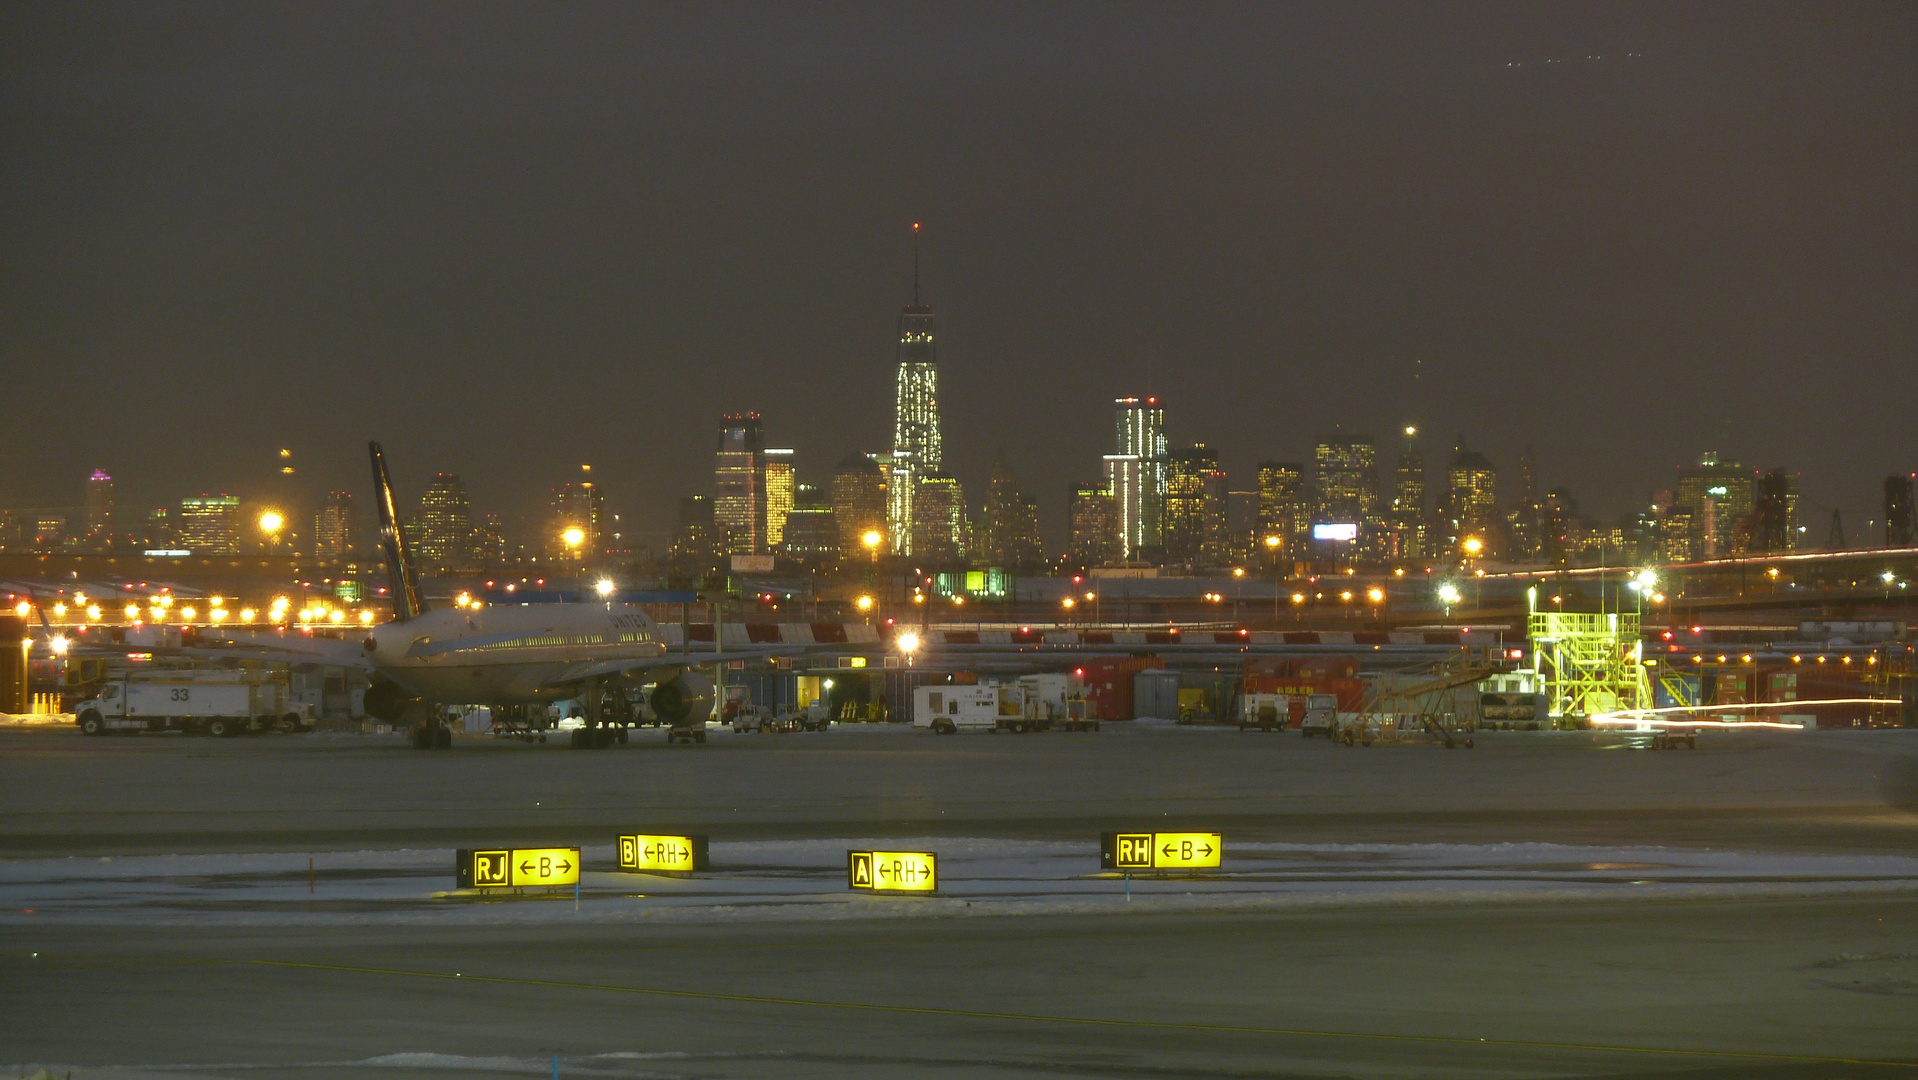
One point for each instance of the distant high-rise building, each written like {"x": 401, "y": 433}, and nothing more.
{"x": 210, "y": 524}
{"x": 1770, "y": 526}
{"x": 1125, "y": 485}
{"x": 779, "y": 494}
{"x": 1007, "y": 532}
{"x": 1346, "y": 479}
{"x": 917, "y": 448}
{"x": 1471, "y": 497}
{"x": 1408, "y": 514}
{"x": 696, "y": 540}
{"x": 1095, "y": 526}
{"x": 1718, "y": 492}
{"x": 579, "y": 511}
{"x": 739, "y": 476}
{"x": 1677, "y": 536}
{"x": 1899, "y": 530}
{"x": 1524, "y": 517}
{"x": 99, "y": 512}
{"x": 812, "y": 531}
{"x": 858, "y": 500}
{"x": 445, "y": 526}
{"x": 491, "y": 544}
{"x": 1139, "y": 433}
{"x": 336, "y": 529}
{"x": 1193, "y": 515}
{"x": 939, "y": 520}
{"x": 1284, "y": 511}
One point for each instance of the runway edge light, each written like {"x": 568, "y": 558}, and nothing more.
{"x": 663, "y": 854}
{"x": 893, "y": 871}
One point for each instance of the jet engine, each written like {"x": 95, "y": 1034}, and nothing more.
{"x": 384, "y": 700}
{"x": 685, "y": 699}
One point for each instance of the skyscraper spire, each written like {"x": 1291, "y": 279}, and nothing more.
{"x": 915, "y": 264}
{"x": 916, "y": 444}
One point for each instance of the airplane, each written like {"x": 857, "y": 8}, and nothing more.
{"x": 515, "y": 657}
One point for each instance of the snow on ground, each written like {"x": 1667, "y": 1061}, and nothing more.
{"x": 805, "y": 879}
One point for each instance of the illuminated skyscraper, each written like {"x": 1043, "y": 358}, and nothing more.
{"x": 210, "y": 525}
{"x": 739, "y": 475}
{"x": 580, "y": 506}
{"x": 1194, "y": 512}
{"x": 779, "y": 494}
{"x": 1138, "y": 490}
{"x": 916, "y": 447}
{"x": 1346, "y": 474}
{"x": 445, "y": 525}
{"x": 1093, "y": 527}
{"x": 1718, "y": 492}
{"x": 335, "y": 529}
{"x": 859, "y": 505}
{"x": 1283, "y": 510}
{"x": 939, "y": 520}
{"x": 99, "y": 508}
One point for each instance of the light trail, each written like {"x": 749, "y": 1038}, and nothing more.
{"x": 1650, "y": 716}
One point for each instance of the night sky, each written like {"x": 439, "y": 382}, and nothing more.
{"x": 507, "y": 239}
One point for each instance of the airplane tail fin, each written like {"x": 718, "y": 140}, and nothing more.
{"x": 405, "y": 586}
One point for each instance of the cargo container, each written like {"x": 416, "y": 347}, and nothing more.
{"x": 1109, "y": 684}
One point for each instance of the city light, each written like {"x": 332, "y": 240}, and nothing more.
{"x": 1271, "y": 543}
{"x": 186, "y": 614}
{"x": 60, "y": 609}
{"x": 336, "y": 616}
{"x": 133, "y": 611}
{"x": 270, "y": 521}
{"x": 217, "y": 614}
{"x": 605, "y": 588}
{"x": 22, "y": 608}
{"x": 247, "y": 614}
{"x": 93, "y": 612}
{"x": 908, "y": 642}
{"x": 1449, "y": 594}
{"x": 864, "y": 603}
{"x": 1066, "y": 603}
{"x": 1473, "y": 545}
{"x": 58, "y": 645}
{"x": 366, "y": 618}
{"x": 573, "y": 537}
{"x": 871, "y": 539}
{"x": 1375, "y": 594}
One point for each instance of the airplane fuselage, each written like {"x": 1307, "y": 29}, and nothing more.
{"x": 508, "y": 655}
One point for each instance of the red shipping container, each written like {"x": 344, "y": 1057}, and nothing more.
{"x": 1108, "y": 683}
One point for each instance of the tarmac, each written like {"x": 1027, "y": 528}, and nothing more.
{"x": 1543, "y": 905}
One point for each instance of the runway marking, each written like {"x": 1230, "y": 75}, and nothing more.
{"x": 1088, "y": 1021}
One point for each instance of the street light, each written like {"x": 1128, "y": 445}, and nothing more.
{"x": 1272, "y": 556}
{"x": 573, "y": 537}
{"x": 1449, "y": 596}
{"x": 605, "y": 588}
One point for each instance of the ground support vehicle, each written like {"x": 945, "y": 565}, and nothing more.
{"x": 1265, "y": 712}
{"x": 1366, "y": 728}
{"x": 522, "y": 722}
{"x": 949, "y": 709}
{"x": 686, "y": 734}
{"x": 1321, "y": 716}
{"x": 218, "y": 702}
{"x": 1077, "y": 716}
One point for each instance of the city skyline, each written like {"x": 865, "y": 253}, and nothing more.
{"x": 1604, "y": 253}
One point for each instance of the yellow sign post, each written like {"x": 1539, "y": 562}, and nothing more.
{"x": 1161, "y": 851}
{"x": 663, "y": 854}
{"x": 510, "y": 868}
{"x": 892, "y": 871}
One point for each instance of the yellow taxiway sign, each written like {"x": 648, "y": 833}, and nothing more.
{"x": 1160, "y": 850}
{"x": 892, "y": 871}
{"x": 506, "y": 868}
{"x": 671, "y": 854}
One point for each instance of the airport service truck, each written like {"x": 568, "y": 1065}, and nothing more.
{"x": 224, "y": 702}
